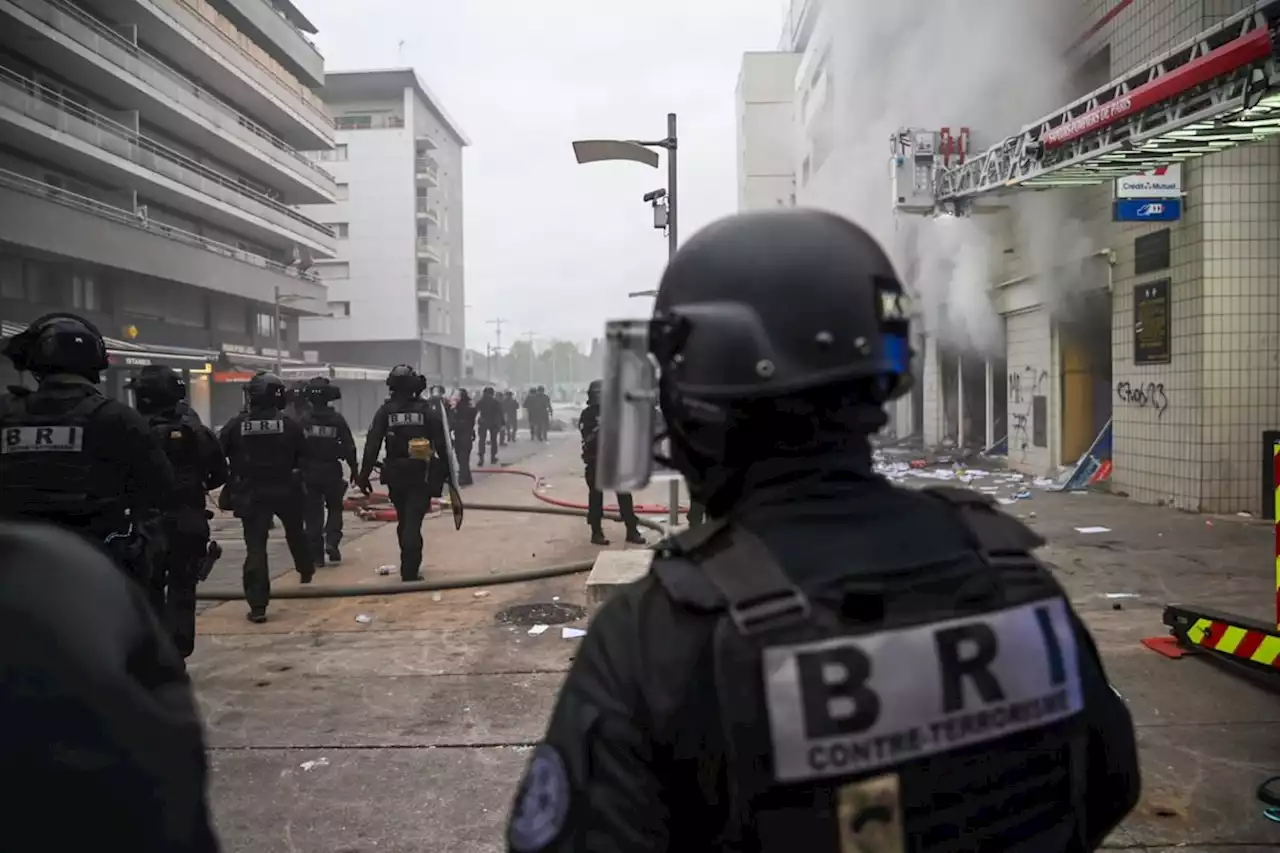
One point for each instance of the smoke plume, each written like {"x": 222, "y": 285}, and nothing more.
{"x": 990, "y": 65}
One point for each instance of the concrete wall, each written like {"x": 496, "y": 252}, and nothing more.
{"x": 766, "y": 133}
{"x": 1029, "y": 351}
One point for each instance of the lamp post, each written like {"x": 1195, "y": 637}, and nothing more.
{"x": 637, "y": 151}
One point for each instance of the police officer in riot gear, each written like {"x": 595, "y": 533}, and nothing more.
{"x": 199, "y": 466}
{"x": 268, "y": 451}
{"x": 73, "y": 456}
{"x": 415, "y": 469}
{"x": 589, "y": 427}
{"x": 329, "y": 443}
{"x": 829, "y": 663}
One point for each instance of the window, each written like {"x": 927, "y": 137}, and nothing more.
{"x": 422, "y": 230}
{"x": 11, "y": 278}
{"x": 84, "y": 292}
{"x": 338, "y": 154}
{"x": 266, "y": 325}
{"x": 340, "y": 229}
{"x": 343, "y": 192}
{"x": 353, "y": 122}
{"x": 339, "y": 309}
{"x": 424, "y": 267}
{"x": 422, "y": 192}
{"x": 334, "y": 272}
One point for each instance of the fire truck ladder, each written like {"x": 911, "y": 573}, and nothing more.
{"x": 1216, "y": 91}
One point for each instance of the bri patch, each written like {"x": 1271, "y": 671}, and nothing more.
{"x": 542, "y": 805}
{"x": 400, "y": 419}
{"x": 271, "y": 427}
{"x": 320, "y": 431}
{"x": 855, "y": 704}
{"x": 42, "y": 439}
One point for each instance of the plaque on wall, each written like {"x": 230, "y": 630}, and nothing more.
{"x": 1151, "y": 344}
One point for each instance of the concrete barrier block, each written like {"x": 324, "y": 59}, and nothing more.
{"x": 613, "y": 569}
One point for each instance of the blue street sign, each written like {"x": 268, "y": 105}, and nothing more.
{"x": 1147, "y": 210}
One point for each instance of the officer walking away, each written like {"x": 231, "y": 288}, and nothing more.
{"x": 329, "y": 444}
{"x": 829, "y": 663}
{"x": 414, "y": 433}
{"x": 98, "y": 708}
{"x": 72, "y": 456}
{"x": 490, "y": 417}
{"x": 545, "y": 412}
{"x": 267, "y": 450}
{"x": 199, "y": 466}
{"x": 589, "y": 426}
{"x": 463, "y": 424}
{"x": 510, "y": 414}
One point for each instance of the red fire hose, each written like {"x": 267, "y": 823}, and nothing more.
{"x": 374, "y": 506}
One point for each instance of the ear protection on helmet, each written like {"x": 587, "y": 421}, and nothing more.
{"x": 28, "y": 345}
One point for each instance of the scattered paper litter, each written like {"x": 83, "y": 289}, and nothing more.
{"x": 1007, "y": 501}
{"x": 364, "y": 619}
{"x": 1093, "y": 530}
{"x": 537, "y": 629}
{"x": 312, "y": 765}
{"x": 386, "y": 570}
{"x": 480, "y": 593}
{"x": 1114, "y": 595}
{"x": 572, "y": 633}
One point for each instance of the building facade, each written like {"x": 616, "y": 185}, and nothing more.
{"x": 150, "y": 177}
{"x": 1158, "y": 339}
{"x": 766, "y": 130}
{"x": 397, "y": 287}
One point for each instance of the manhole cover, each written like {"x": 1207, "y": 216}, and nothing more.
{"x": 541, "y": 614}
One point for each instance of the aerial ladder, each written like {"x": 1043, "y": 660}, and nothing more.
{"x": 1214, "y": 92}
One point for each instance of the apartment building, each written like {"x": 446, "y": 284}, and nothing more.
{"x": 766, "y": 130}
{"x": 396, "y": 287}
{"x": 150, "y": 173}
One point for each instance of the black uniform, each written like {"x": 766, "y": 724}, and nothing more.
{"x": 462, "y": 421}
{"x": 411, "y": 483}
{"x": 102, "y": 741}
{"x": 199, "y": 466}
{"x": 329, "y": 443}
{"x": 490, "y": 419}
{"x": 589, "y": 427}
{"x": 72, "y": 456}
{"x": 510, "y": 415}
{"x": 267, "y": 450}
{"x": 831, "y": 663}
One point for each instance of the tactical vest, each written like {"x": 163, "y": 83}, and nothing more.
{"x": 181, "y": 444}
{"x": 906, "y": 708}
{"x": 324, "y": 445}
{"x": 262, "y": 454}
{"x": 44, "y": 470}
{"x": 406, "y": 421}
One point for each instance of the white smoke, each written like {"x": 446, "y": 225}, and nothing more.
{"x": 990, "y": 65}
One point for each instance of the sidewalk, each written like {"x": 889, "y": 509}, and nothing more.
{"x": 408, "y": 733}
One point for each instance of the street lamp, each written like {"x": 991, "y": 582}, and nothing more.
{"x": 636, "y": 294}
{"x": 603, "y": 150}
{"x": 282, "y": 299}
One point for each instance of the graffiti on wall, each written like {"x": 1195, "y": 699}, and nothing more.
{"x": 1025, "y": 386}
{"x": 1144, "y": 396}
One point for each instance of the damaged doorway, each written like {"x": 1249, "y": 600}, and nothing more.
{"x": 1084, "y": 339}
{"x": 963, "y": 399}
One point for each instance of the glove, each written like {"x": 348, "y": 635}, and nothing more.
{"x": 363, "y": 484}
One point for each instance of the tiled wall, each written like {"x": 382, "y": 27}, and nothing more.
{"x": 933, "y": 421}
{"x": 1029, "y": 350}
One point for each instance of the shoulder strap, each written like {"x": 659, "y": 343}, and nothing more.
{"x": 998, "y": 538}
{"x": 759, "y": 594}
{"x": 89, "y": 406}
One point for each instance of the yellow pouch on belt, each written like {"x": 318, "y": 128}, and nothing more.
{"x": 419, "y": 448}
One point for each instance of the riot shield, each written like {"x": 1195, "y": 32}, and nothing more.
{"x": 455, "y": 497}
{"x": 628, "y": 407}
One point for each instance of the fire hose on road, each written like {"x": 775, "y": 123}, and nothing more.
{"x": 465, "y": 582}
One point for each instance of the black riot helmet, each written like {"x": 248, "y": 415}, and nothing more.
{"x": 267, "y": 389}
{"x": 776, "y": 334}
{"x": 157, "y": 389}
{"x": 59, "y": 343}
{"x": 404, "y": 381}
{"x": 488, "y": 391}
{"x": 319, "y": 391}
{"x": 593, "y": 392}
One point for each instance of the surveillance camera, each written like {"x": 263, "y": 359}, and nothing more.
{"x": 656, "y": 195}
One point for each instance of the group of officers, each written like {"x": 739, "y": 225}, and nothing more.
{"x": 829, "y": 662}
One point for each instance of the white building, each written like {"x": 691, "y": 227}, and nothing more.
{"x": 397, "y": 291}
{"x": 766, "y": 130}
{"x": 149, "y": 170}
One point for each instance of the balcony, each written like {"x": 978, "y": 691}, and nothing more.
{"x": 424, "y": 143}
{"x": 428, "y": 252}
{"x": 86, "y": 51}
{"x": 430, "y": 287}
{"x": 206, "y": 44}
{"x": 426, "y": 171}
{"x": 35, "y": 118}
{"x": 427, "y": 211}
{"x": 368, "y": 122}
{"x": 37, "y": 214}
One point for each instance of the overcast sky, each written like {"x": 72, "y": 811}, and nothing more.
{"x": 552, "y": 246}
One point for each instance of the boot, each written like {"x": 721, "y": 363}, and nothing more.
{"x": 306, "y": 576}
{"x": 334, "y": 555}
{"x": 257, "y": 615}
{"x": 598, "y": 537}
{"x": 634, "y": 536}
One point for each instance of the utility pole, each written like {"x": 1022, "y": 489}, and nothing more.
{"x": 529, "y": 336}
{"x": 497, "y": 323}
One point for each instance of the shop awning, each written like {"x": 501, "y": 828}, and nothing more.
{"x": 1216, "y": 91}
{"x": 130, "y": 354}
{"x": 337, "y": 371}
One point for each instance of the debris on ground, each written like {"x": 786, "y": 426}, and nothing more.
{"x": 312, "y": 765}
{"x": 538, "y": 629}
{"x": 1093, "y": 530}
{"x": 386, "y": 570}
{"x": 572, "y": 633}
{"x": 364, "y": 619}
